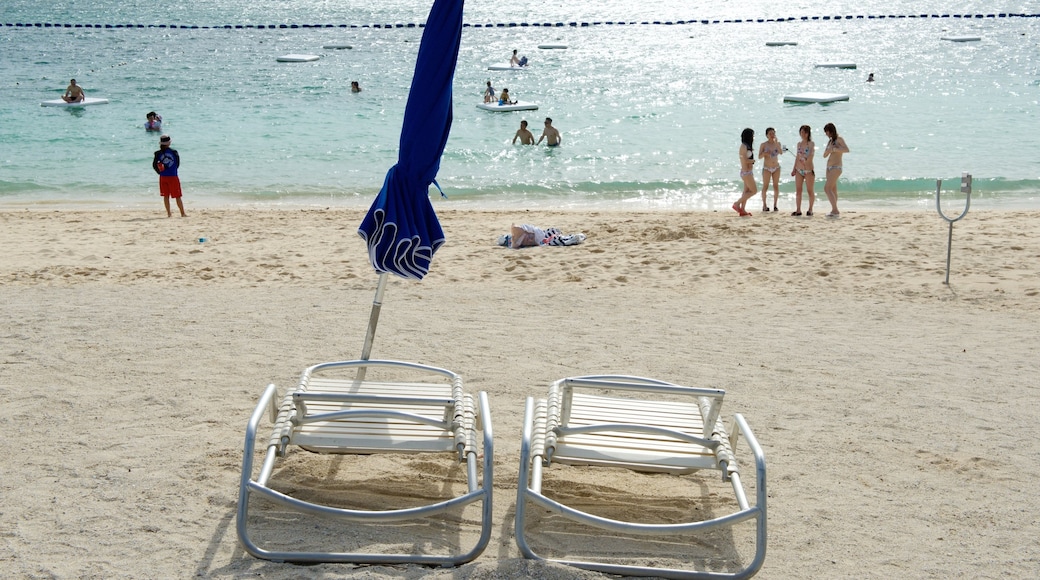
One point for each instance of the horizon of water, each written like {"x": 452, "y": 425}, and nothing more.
{"x": 650, "y": 114}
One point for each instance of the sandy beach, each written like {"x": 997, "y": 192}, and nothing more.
{"x": 897, "y": 413}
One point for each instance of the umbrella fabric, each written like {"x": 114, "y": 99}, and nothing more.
{"x": 401, "y": 228}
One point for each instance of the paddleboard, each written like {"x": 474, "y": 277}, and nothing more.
{"x": 552, "y": 46}
{"x": 337, "y": 46}
{"x": 961, "y": 38}
{"x": 507, "y": 67}
{"x": 518, "y": 106}
{"x": 298, "y": 58}
{"x": 781, "y": 43}
{"x": 84, "y": 103}
{"x": 835, "y": 65}
{"x": 815, "y": 98}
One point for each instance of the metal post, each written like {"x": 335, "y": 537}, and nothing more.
{"x": 965, "y": 188}
{"x": 373, "y": 320}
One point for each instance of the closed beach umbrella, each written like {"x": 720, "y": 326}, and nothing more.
{"x": 401, "y": 228}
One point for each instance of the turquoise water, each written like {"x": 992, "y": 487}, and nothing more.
{"x": 650, "y": 114}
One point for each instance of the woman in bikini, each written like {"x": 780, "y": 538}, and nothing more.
{"x": 836, "y": 147}
{"x": 769, "y": 152}
{"x": 747, "y": 169}
{"x": 803, "y": 171}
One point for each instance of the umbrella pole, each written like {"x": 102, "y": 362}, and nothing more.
{"x": 373, "y": 319}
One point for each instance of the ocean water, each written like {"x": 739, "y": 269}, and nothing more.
{"x": 650, "y": 113}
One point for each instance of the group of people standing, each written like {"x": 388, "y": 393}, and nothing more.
{"x": 549, "y": 133}
{"x": 804, "y": 171}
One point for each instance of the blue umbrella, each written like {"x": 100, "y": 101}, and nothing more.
{"x": 401, "y": 228}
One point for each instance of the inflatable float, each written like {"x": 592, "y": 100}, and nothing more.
{"x": 517, "y": 106}
{"x": 84, "y": 103}
{"x": 552, "y": 46}
{"x": 298, "y": 58}
{"x": 835, "y": 65}
{"x": 781, "y": 43}
{"x": 337, "y": 46}
{"x": 815, "y": 98}
{"x": 961, "y": 38}
{"x": 507, "y": 66}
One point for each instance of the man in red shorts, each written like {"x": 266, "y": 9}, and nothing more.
{"x": 166, "y": 163}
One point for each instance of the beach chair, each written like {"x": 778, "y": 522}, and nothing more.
{"x": 338, "y": 408}
{"x": 642, "y": 425}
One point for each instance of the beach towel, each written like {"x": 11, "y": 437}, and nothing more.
{"x": 527, "y": 235}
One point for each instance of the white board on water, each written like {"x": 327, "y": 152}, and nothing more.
{"x": 781, "y": 43}
{"x": 552, "y": 46}
{"x": 836, "y": 65}
{"x": 961, "y": 38}
{"x": 298, "y": 58}
{"x": 84, "y": 103}
{"x": 517, "y": 106}
{"x": 337, "y": 46}
{"x": 507, "y": 66}
{"x": 815, "y": 97}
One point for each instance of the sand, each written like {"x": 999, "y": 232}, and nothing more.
{"x": 897, "y": 414}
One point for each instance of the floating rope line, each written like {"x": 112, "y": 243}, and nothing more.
{"x": 530, "y": 24}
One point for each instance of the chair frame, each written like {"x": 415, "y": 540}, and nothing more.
{"x": 294, "y": 413}
{"x": 547, "y": 424}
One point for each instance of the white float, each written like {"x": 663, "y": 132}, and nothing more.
{"x": 835, "y": 65}
{"x": 507, "y": 66}
{"x": 815, "y": 98}
{"x": 84, "y": 103}
{"x": 298, "y": 58}
{"x": 781, "y": 43}
{"x": 517, "y": 106}
{"x": 552, "y": 46}
{"x": 337, "y": 46}
{"x": 961, "y": 38}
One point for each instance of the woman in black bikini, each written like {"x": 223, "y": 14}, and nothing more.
{"x": 803, "y": 171}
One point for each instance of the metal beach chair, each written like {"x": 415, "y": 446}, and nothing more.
{"x": 642, "y": 425}
{"x": 332, "y": 412}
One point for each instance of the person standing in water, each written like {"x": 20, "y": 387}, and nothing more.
{"x": 834, "y": 151}
{"x": 166, "y": 162}
{"x": 550, "y": 134}
{"x": 747, "y": 170}
{"x": 769, "y": 152}
{"x": 153, "y": 121}
{"x": 524, "y": 135}
{"x": 803, "y": 171}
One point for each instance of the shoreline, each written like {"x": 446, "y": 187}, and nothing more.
{"x": 952, "y": 199}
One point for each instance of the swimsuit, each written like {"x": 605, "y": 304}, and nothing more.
{"x": 771, "y": 169}
{"x": 802, "y": 172}
{"x": 745, "y": 173}
{"x": 831, "y": 167}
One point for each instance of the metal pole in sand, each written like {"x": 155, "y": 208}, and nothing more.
{"x": 965, "y": 188}
{"x": 373, "y": 320}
